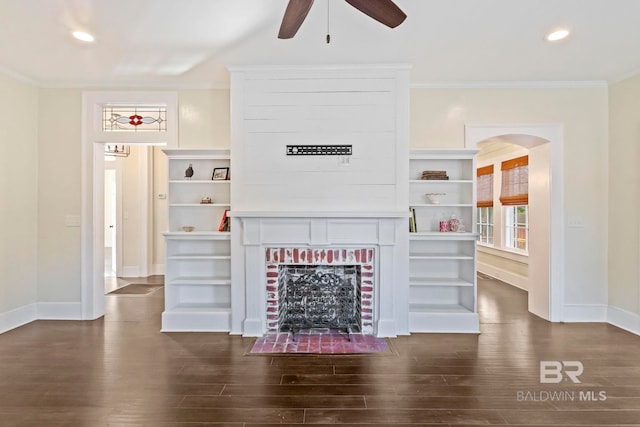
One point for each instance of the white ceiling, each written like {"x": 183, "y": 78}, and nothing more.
{"x": 189, "y": 43}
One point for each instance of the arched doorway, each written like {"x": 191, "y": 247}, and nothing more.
{"x": 546, "y": 255}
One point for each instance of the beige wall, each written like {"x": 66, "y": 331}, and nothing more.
{"x": 438, "y": 117}
{"x": 18, "y": 194}
{"x": 204, "y": 119}
{"x": 624, "y": 195}
{"x": 59, "y": 195}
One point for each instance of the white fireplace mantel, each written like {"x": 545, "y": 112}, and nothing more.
{"x": 254, "y": 232}
{"x": 319, "y": 214}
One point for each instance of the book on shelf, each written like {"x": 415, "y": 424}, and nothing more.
{"x": 224, "y": 222}
{"x": 434, "y": 175}
{"x": 413, "y": 227}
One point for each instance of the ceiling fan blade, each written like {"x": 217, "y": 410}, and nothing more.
{"x": 294, "y": 16}
{"x": 384, "y": 11}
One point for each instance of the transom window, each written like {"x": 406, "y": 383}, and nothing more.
{"x": 137, "y": 118}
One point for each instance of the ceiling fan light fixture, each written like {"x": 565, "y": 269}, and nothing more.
{"x": 557, "y": 35}
{"x": 83, "y": 36}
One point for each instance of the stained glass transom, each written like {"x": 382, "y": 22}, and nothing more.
{"x": 134, "y": 118}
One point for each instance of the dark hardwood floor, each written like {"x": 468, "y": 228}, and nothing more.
{"x": 121, "y": 371}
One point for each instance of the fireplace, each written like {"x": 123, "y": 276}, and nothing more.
{"x": 319, "y": 296}
{"x": 309, "y": 288}
{"x": 360, "y": 247}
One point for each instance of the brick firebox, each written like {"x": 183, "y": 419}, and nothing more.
{"x": 363, "y": 257}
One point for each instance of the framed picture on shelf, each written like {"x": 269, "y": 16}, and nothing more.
{"x": 220, "y": 174}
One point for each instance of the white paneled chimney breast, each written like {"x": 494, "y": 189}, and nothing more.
{"x": 319, "y": 163}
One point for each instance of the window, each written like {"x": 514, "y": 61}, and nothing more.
{"x": 517, "y": 227}
{"x": 514, "y": 196}
{"x": 485, "y": 204}
{"x": 116, "y": 118}
{"x": 485, "y": 225}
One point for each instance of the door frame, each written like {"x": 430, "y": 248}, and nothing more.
{"x": 554, "y": 133}
{"x": 92, "y": 191}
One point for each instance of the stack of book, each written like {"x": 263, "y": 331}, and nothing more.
{"x": 435, "y": 175}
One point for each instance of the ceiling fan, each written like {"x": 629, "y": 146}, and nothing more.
{"x": 384, "y": 11}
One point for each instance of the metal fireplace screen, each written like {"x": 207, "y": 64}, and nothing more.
{"x": 313, "y": 296}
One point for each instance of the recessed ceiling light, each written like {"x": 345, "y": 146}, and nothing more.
{"x": 554, "y": 36}
{"x": 85, "y": 37}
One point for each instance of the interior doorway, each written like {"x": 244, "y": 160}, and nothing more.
{"x": 546, "y": 254}
{"x": 96, "y": 133}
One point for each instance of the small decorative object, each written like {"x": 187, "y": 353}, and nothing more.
{"x": 444, "y": 226}
{"x": 189, "y": 172}
{"x": 454, "y": 223}
{"x": 220, "y": 174}
{"x": 205, "y": 200}
{"x": 461, "y": 227}
{"x": 435, "y": 197}
{"x": 188, "y": 228}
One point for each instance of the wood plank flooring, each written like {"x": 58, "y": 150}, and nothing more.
{"x": 121, "y": 371}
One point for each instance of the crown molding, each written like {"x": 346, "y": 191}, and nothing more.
{"x": 18, "y": 76}
{"x": 560, "y": 84}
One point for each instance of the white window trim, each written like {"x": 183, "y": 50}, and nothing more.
{"x": 505, "y": 233}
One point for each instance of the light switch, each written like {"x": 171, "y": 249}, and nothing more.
{"x": 575, "y": 221}
{"x": 72, "y": 221}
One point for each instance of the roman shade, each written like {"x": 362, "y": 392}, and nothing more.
{"x": 485, "y": 187}
{"x": 515, "y": 182}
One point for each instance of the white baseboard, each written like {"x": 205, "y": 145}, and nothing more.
{"x": 585, "y": 313}
{"x": 59, "y": 311}
{"x": 18, "y": 317}
{"x": 624, "y": 319}
{"x": 517, "y": 280}
{"x": 39, "y": 311}
{"x": 157, "y": 270}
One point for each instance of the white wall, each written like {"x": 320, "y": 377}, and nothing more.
{"x": 624, "y": 203}
{"x": 18, "y": 201}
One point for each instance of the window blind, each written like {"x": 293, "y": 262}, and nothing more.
{"x": 484, "y": 187}
{"x": 515, "y": 181}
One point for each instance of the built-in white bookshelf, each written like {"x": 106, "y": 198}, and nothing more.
{"x": 442, "y": 265}
{"x": 198, "y": 262}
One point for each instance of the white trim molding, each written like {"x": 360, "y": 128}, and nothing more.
{"x": 585, "y": 313}
{"x": 92, "y": 155}
{"x": 509, "y": 277}
{"x": 59, "y": 311}
{"x": 18, "y": 317}
{"x": 624, "y": 319}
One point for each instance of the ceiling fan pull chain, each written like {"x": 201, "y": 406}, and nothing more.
{"x": 328, "y": 35}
